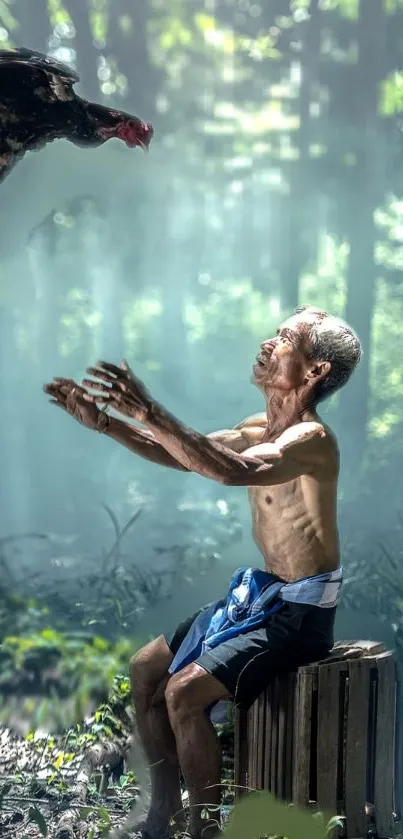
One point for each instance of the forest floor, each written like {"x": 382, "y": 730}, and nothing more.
{"x": 69, "y": 768}
{"x": 86, "y": 781}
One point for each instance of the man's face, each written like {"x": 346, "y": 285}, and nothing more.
{"x": 283, "y": 361}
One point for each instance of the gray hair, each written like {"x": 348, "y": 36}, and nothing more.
{"x": 334, "y": 341}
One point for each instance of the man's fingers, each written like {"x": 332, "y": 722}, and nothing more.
{"x": 118, "y": 385}
{"x": 100, "y": 400}
{"x": 111, "y": 368}
{"x": 60, "y": 386}
{"x": 127, "y": 369}
{"x": 55, "y": 392}
{"x": 104, "y": 375}
{"x": 96, "y": 399}
{"x": 104, "y": 402}
{"x": 59, "y": 380}
{"x": 125, "y": 366}
{"x": 88, "y": 383}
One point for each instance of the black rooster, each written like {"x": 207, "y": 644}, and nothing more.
{"x": 38, "y": 105}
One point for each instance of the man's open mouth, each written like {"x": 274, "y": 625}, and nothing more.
{"x": 261, "y": 360}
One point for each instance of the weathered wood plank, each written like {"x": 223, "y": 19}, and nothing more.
{"x": 356, "y": 754}
{"x": 289, "y": 736}
{"x": 305, "y": 742}
{"x": 252, "y": 735}
{"x": 274, "y": 736}
{"x": 282, "y": 723}
{"x": 240, "y": 751}
{"x": 260, "y": 742}
{"x": 385, "y": 747}
{"x": 267, "y": 753}
{"x": 367, "y": 647}
{"x": 302, "y": 728}
{"x": 329, "y": 727}
{"x": 237, "y": 750}
{"x": 343, "y": 650}
{"x": 398, "y": 751}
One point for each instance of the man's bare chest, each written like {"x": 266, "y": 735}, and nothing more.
{"x": 282, "y": 501}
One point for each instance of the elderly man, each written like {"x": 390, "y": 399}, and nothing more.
{"x": 270, "y": 621}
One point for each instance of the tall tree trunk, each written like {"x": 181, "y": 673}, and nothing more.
{"x": 128, "y": 43}
{"x": 33, "y": 24}
{"x": 86, "y": 53}
{"x": 297, "y": 234}
{"x": 364, "y": 195}
{"x": 101, "y": 258}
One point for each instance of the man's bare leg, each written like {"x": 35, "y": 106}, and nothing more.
{"x": 148, "y": 675}
{"x": 187, "y": 695}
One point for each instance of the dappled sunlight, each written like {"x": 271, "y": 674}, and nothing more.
{"x": 274, "y": 179}
{"x": 327, "y": 287}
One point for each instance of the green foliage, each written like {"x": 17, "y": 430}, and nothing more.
{"x": 7, "y": 19}
{"x": 391, "y": 98}
{"x": 78, "y": 669}
{"x": 57, "y": 13}
{"x": 260, "y": 149}
{"x": 259, "y": 812}
{"x": 51, "y": 765}
{"x": 347, "y": 8}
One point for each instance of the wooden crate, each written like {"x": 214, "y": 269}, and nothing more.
{"x": 325, "y": 737}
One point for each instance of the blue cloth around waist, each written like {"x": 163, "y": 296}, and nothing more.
{"x": 253, "y": 595}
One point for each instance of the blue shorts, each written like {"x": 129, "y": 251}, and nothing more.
{"x": 295, "y": 635}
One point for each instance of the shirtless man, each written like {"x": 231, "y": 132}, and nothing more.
{"x": 289, "y": 461}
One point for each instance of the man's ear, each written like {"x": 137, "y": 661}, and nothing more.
{"x": 319, "y": 371}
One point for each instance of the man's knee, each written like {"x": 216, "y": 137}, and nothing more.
{"x": 149, "y": 665}
{"x": 190, "y": 691}
{"x": 180, "y": 694}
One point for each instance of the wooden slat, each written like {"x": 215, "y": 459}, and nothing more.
{"x": 274, "y": 736}
{"x": 302, "y": 727}
{"x": 367, "y": 647}
{"x": 398, "y": 752}
{"x": 252, "y": 735}
{"x": 343, "y": 650}
{"x": 240, "y": 751}
{"x": 282, "y": 723}
{"x": 385, "y": 747}
{"x": 372, "y": 714}
{"x": 267, "y": 753}
{"x": 357, "y": 747}
{"x": 259, "y": 743}
{"x": 289, "y": 736}
{"x": 329, "y": 680}
{"x": 237, "y": 750}
{"x": 285, "y": 732}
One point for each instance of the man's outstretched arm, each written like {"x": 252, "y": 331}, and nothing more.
{"x": 68, "y": 395}
{"x": 143, "y": 442}
{"x": 298, "y": 451}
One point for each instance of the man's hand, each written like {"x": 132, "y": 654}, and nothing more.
{"x": 119, "y": 388}
{"x": 68, "y": 395}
